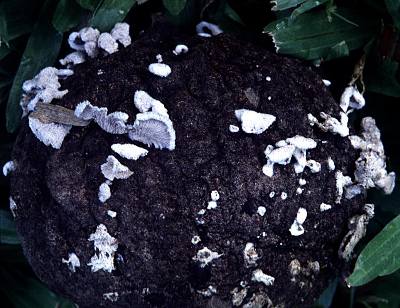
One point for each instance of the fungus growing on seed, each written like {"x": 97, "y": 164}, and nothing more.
{"x": 107, "y": 43}
{"x": 8, "y": 168}
{"x": 180, "y": 49}
{"x": 202, "y": 26}
{"x": 250, "y": 255}
{"x": 155, "y": 129}
{"x": 113, "y": 169}
{"x": 205, "y": 256}
{"x": 259, "y": 276}
{"x": 104, "y": 192}
{"x": 72, "y": 262}
{"x": 105, "y": 247}
{"x": 129, "y": 151}
{"x": 120, "y": 33}
{"x": 297, "y": 228}
{"x": 254, "y": 122}
{"x": 351, "y": 97}
{"x": 144, "y": 102}
{"x": 160, "y": 69}
{"x": 331, "y": 124}
{"x": 113, "y": 123}
{"x": 50, "y": 134}
{"x": 13, "y": 206}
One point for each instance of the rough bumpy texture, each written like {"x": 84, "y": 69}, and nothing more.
{"x": 58, "y": 206}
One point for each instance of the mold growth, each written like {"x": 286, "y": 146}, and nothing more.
{"x": 50, "y": 134}
{"x": 160, "y": 69}
{"x": 129, "y": 151}
{"x": 104, "y": 192}
{"x": 254, "y": 122}
{"x": 331, "y": 124}
{"x": 72, "y": 262}
{"x": 105, "y": 247}
{"x": 113, "y": 169}
{"x": 351, "y": 97}
{"x": 144, "y": 102}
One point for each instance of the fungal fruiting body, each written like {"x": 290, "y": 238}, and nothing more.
{"x": 120, "y": 33}
{"x": 129, "y": 151}
{"x": 297, "y": 228}
{"x": 254, "y": 122}
{"x": 351, "y": 97}
{"x": 8, "y": 168}
{"x": 104, "y": 192}
{"x": 107, "y": 43}
{"x": 160, "y": 69}
{"x": 50, "y": 134}
{"x": 144, "y": 102}
{"x": 212, "y": 28}
{"x": 113, "y": 169}
{"x": 105, "y": 247}
{"x": 205, "y": 256}
{"x": 260, "y": 276}
{"x": 72, "y": 262}
{"x": 73, "y": 58}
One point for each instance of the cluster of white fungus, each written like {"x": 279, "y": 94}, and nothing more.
{"x": 254, "y": 122}
{"x": 43, "y": 88}
{"x": 129, "y": 151}
{"x": 144, "y": 103}
{"x": 50, "y": 134}
{"x": 105, "y": 247}
{"x": 72, "y": 262}
{"x": 113, "y": 169}
{"x": 331, "y": 124}
{"x": 8, "y": 167}
{"x": 213, "y": 29}
{"x": 204, "y": 256}
{"x": 297, "y": 228}
{"x": 351, "y": 97}
{"x": 296, "y": 147}
{"x": 74, "y": 58}
{"x": 260, "y": 276}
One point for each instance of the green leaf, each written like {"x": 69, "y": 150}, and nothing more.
{"x": 66, "y": 15}
{"x": 382, "y": 78}
{"x": 89, "y": 4}
{"x": 306, "y": 6}
{"x": 393, "y": 7}
{"x": 17, "y": 17}
{"x": 380, "y": 257}
{"x": 174, "y": 6}
{"x": 280, "y": 5}
{"x": 8, "y": 234}
{"x": 312, "y": 36}
{"x": 41, "y": 50}
{"x": 4, "y": 51}
{"x": 110, "y": 12}
{"x": 231, "y": 13}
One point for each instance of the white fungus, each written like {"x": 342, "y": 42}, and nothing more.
{"x": 112, "y": 214}
{"x": 160, "y": 69}
{"x": 195, "y": 240}
{"x": 120, "y": 33}
{"x": 144, "y": 102}
{"x": 129, "y": 151}
{"x": 261, "y": 210}
{"x": 50, "y": 134}
{"x": 302, "y": 182}
{"x": 180, "y": 49}
{"x": 85, "y": 40}
{"x": 201, "y": 212}
{"x": 152, "y": 128}
{"x": 203, "y": 26}
{"x": 107, "y": 43}
{"x": 159, "y": 58}
{"x": 313, "y": 165}
{"x": 324, "y": 207}
{"x": 259, "y": 276}
{"x": 341, "y": 182}
{"x": 272, "y": 194}
{"x": 351, "y": 97}
{"x": 297, "y": 228}
{"x": 326, "y": 82}
{"x": 254, "y": 122}
{"x": 205, "y": 256}
{"x": 281, "y": 156}
{"x": 283, "y": 195}
{"x": 331, "y": 164}
{"x": 8, "y": 168}
{"x": 13, "y": 206}
{"x": 299, "y": 191}
{"x": 250, "y": 255}
{"x": 268, "y": 78}
{"x": 331, "y": 124}
{"x": 74, "y": 58}
{"x": 111, "y": 296}
{"x": 113, "y": 169}
{"x": 72, "y": 262}
{"x": 233, "y": 128}
{"x": 105, "y": 247}
{"x": 214, "y": 195}
{"x": 104, "y": 192}
{"x": 212, "y": 205}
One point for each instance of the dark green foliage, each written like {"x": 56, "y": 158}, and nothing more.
{"x": 31, "y": 36}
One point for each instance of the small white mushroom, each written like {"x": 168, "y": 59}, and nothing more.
{"x": 205, "y": 256}
{"x": 129, "y": 151}
{"x": 272, "y": 194}
{"x": 299, "y": 191}
{"x": 203, "y": 26}
{"x": 259, "y": 276}
{"x": 351, "y": 97}
{"x": 160, "y": 69}
{"x": 50, "y": 134}
{"x": 72, "y": 262}
{"x": 313, "y": 165}
{"x": 104, "y": 192}
{"x": 107, "y": 43}
{"x": 250, "y": 255}
{"x": 113, "y": 169}
{"x": 324, "y": 207}
{"x": 268, "y": 78}
{"x": 254, "y": 122}
{"x": 180, "y": 49}
{"x": 120, "y": 33}
{"x": 159, "y": 58}
{"x": 152, "y": 128}
{"x": 8, "y": 168}
{"x": 105, "y": 247}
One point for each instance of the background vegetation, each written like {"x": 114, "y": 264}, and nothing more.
{"x": 334, "y": 35}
